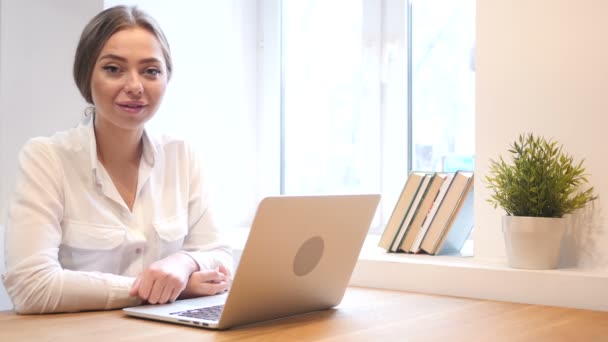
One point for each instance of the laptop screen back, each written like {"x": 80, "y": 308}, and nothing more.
{"x": 299, "y": 256}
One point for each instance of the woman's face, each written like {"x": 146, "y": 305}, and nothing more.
{"x": 129, "y": 80}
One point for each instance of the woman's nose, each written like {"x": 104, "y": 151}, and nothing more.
{"x": 134, "y": 85}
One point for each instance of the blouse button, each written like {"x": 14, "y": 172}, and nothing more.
{"x": 138, "y": 251}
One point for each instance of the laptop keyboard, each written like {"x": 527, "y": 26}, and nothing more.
{"x": 211, "y": 313}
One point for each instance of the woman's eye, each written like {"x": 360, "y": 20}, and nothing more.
{"x": 152, "y": 72}
{"x": 111, "y": 69}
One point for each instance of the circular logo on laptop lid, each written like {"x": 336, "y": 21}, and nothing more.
{"x": 308, "y": 256}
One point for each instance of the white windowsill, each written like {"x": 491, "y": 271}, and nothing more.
{"x": 471, "y": 277}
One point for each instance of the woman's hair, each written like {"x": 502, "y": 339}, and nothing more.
{"x": 99, "y": 30}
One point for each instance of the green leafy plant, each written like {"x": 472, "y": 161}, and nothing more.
{"x": 540, "y": 181}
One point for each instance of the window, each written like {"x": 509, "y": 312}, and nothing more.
{"x": 344, "y": 97}
{"x": 311, "y": 96}
{"x": 348, "y": 125}
{"x": 443, "y": 84}
{"x": 331, "y": 105}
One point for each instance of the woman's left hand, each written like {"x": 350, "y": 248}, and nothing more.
{"x": 207, "y": 283}
{"x": 164, "y": 280}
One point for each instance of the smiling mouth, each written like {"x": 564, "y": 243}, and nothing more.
{"x": 132, "y": 108}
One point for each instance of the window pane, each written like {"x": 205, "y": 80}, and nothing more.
{"x": 331, "y": 107}
{"x": 443, "y": 84}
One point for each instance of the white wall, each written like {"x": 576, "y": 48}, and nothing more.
{"x": 37, "y": 94}
{"x": 542, "y": 67}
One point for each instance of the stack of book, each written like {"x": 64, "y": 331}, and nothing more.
{"x": 433, "y": 214}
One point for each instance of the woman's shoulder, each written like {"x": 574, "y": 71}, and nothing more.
{"x": 169, "y": 140}
{"x": 70, "y": 139}
{"x": 172, "y": 144}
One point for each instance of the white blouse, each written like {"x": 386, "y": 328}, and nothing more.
{"x": 71, "y": 241}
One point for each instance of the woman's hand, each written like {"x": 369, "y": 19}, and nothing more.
{"x": 207, "y": 283}
{"x": 165, "y": 279}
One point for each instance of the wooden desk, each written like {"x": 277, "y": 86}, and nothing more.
{"x": 364, "y": 315}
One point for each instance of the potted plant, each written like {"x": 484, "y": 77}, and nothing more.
{"x": 536, "y": 189}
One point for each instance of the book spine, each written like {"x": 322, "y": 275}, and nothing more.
{"x": 414, "y": 207}
{"x": 431, "y": 215}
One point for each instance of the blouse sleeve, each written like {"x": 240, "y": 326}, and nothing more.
{"x": 34, "y": 278}
{"x": 204, "y": 242}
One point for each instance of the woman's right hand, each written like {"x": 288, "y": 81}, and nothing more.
{"x": 206, "y": 283}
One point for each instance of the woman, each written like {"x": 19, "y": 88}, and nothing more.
{"x": 104, "y": 215}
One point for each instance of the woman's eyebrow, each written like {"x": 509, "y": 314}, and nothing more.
{"x": 122, "y": 59}
{"x": 113, "y": 56}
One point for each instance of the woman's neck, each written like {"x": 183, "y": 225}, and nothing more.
{"x": 117, "y": 146}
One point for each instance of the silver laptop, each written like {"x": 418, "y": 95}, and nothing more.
{"x": 299, "y": 258}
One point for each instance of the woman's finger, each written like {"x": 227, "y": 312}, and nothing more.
{"x": 207, "y": 276}
{"x": 223, "y": 269}
{"x": 209, "y": 289}
{"x": 155, "y": 292}
{"x": 217, "y": 288}
{"x": 145, "y": 288}
{"x": 135, "y": 287}
{"x": 174, "y": 294}
{"x": 166, "y": 294}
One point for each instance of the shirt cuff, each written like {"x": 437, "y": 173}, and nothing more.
{"x": 118, "y": 296}
{"x": 211, "y": 260}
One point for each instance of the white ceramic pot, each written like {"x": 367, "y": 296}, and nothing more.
{"x": 533, "y": 242}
